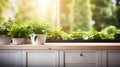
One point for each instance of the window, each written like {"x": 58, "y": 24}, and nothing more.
{"x": 70, "y": 15}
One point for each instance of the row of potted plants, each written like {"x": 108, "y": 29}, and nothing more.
{"x": 108, "y": 34}
{"x": 36, "y": 32}
{"x": 16, "y": 32}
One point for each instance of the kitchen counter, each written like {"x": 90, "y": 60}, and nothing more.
{"x": 64, "y": 46}
{"x": 60, "y": 55}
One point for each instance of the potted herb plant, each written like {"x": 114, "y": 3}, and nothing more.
{"x": 56, "y": 35}
{"x": 4, "y": 38}
{"x": 38, "y": 36}
{"x": 18, "y": 33}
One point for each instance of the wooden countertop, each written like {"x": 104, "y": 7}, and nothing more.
{"x": 64, "y": 46}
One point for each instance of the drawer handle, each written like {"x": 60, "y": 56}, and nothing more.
{"x": 81, "y": 54}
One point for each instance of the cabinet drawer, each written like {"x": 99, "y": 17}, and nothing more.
{"x": 111, "y": 58}
{"x": 10, "y": 58}
{"x": 80, "y": 57}
{"x": 40, "y": 58}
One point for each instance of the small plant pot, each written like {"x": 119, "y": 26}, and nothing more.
{"x": 4, "y": 40}
{"x": 42, "y": 38}
{"x": 38, "y": 39}
{"x": 17, "y": 41}
{"x": 27, "y": 41}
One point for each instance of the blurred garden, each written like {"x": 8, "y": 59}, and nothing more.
{"x": 67, "y": 19}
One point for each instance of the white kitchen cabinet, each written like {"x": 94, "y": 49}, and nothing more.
{"x": 10, "y": 58}
{"x": 40, "y": 58}
{"x": 80, "y": 58}
{"x": 111, "y": 58}
{"x": 59, "y": 58}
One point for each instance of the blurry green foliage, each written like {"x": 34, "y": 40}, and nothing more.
{"x": 38, "y": 27}
{"x": 80, "y": 15}
{"x": 104, "y": 13}
{"x": 108, "y": 33}
{"x": 109, "y": 30}
{"x": 56, "y": 34}
{"x": 27, "y": 11}
{"x": 18, "y": 31}
{"x": 78, "y": 35}
{"x": 117, "y": 35}
{"x": 118, "y": 14}
{"x": 5, "y": 26}
{"x": 3, "y": 7}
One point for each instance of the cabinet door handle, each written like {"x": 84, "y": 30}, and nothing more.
{"x": 81, "y": 54}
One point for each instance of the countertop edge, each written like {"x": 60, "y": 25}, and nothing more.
{"x": 64, "y": 46}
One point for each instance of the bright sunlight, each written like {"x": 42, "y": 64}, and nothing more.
{"x": 44, "y": 3}
{"x": 49, "y": 10}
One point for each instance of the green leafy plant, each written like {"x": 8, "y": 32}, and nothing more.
{"x": 17, "y": 31}
{"x": 38, "y": 27}
{"x": 94, "y": 35}
{"x": 100, "y": 36}
{"x": 109, "y": 30}
{"x": 79, "y": 35}
{"x": 56, "y": 34}
{"x": 117, "y": 35}
{"x": 5, "y": 26}
{"x": 3, "y": 30}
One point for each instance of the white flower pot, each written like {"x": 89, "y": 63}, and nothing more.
{"x": 38, "y": 39}
{"x": 4, "y": 40}
{"x": 17, "y": 41}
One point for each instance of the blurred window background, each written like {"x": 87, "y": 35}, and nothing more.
{"x": 70, "y": 15}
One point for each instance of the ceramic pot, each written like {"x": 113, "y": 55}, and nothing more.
{"x": 4, "y": 40}
{"x": 17, "y": 41}
{"x": 38, "y": 39}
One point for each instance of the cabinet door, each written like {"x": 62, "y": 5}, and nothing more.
{"x": 111, "y": 58}
{"x": 10, "y": 58}
{"x": 40, "y": 58}
{"x": 80, "y": 58}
